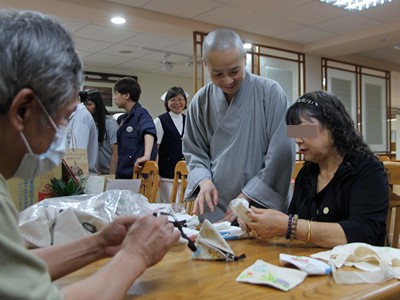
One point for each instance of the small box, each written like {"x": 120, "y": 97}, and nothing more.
{"x": 26, "y": 192}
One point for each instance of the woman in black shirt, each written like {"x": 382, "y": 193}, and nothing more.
{"x": 341, "y": 194}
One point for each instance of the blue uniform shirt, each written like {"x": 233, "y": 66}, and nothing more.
{"x": 130, "y": 138}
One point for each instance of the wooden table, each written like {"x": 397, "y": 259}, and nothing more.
{"x": 177, "y": 276}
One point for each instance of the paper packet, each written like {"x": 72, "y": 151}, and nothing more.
{"x": 309, "y": 265}
{"x": 281, "y": 278}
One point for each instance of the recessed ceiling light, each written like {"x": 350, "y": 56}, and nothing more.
{"x": 397, "y": 47}
{"x": 118, "y": 20}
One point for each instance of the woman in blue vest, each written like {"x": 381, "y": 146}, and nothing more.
{"x": 170, "y": 128}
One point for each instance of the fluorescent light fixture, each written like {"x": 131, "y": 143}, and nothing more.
{"x": 118, "y": 20}
{"x": 356, "y": 4}
{"x": 247, "y": 46}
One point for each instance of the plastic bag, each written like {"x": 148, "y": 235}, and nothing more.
{"x": 62, "y": 219}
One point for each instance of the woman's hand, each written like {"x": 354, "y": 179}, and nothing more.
{"x": 267, "y": 223}
{"x": 243, "y": 225}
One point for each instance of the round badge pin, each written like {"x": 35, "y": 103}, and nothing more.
{"x": 129, "y": 129}
{"x": 326, "y": 210}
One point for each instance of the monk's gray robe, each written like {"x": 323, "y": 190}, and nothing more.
{"x": 242, "y": 147}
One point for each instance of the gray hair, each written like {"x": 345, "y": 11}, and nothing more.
{"x": 222, "y": 39}
{"x": 37, "y": 52}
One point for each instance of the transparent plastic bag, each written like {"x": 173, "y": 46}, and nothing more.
{"x": 62, "y": 219}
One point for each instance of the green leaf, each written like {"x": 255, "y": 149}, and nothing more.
{"x": 62, "y": 188}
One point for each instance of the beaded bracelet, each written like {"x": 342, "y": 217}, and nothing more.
{"x": 294, "y": 227}
{"x": 289, "y": 226}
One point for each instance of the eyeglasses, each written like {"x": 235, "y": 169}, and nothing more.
{"x": 176, "y": 99}
{"x": 178, "y": 225}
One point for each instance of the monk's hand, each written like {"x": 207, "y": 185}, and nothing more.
{"x": 229, "y": 215}
{"x": 208, "y": 194}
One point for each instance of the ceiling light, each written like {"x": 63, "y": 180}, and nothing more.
{"x": 247, "y": 46}
{"x": 356, "y": 4}
{"x": 118, "y": 20}
{"x": 188, "y": 61}
{"x": 164, "y": 57}
{"x": 163, "y": 51}
{"x": 167, "y": 66}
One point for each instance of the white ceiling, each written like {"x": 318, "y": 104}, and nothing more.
{"x": 301, "y": 25}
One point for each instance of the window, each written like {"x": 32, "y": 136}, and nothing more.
{"x": 285, "y": 67}
{"x": 364, "y": 92}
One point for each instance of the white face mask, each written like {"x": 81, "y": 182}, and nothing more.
{"x": 33, "y": 164}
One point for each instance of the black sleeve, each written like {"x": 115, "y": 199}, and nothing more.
{"x": 369, "y": 199}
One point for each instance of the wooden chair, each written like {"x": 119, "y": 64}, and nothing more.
{"x": 384, "y": 158}
{"x": 148, "y": 174}
{"x": 393, "y": 171}
{"x": 180, "y": 183}
{"x": 297, "y": 166}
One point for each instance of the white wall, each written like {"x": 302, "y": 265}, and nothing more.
{"x": 313, "y": 73}
{"x": 395, "y": 86}
{"x": 395, "y": 97}
{"x": 153, "y": 85}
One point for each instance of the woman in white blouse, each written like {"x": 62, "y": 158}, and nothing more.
{"x": 170, "y": 128}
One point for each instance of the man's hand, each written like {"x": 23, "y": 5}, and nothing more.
{"x": 141, "y": 160}
{"x": 208, "y": 194}
{"x": 112, "y": 235}
{"x": 149, "y": 239}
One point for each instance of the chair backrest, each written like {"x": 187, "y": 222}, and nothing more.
{"x": 383, "y": 157}
{"x": 393, "y": 225}
{"x": 148, "y": 174}
{"x": 297, "y": 166}
{"x": 180, "y": 183}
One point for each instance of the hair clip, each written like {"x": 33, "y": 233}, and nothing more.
{"x": 91, "y": 91}
{"x": 307, "y": 101}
